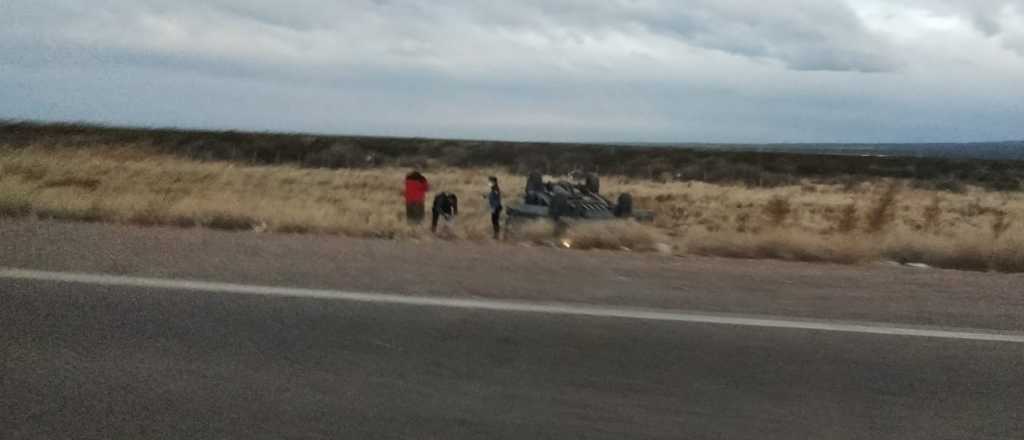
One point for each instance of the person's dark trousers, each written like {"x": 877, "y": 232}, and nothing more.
{"x": 496, "y": 222}
{"x": 414, "y": 212}
{"x": 433, "y": 220}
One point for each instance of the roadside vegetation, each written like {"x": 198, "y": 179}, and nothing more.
{"x": 967, "y": 227}
{"x": 719, "y": 163}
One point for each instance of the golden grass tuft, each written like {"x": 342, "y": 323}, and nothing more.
{"x": 615, "y": 235}
{"x": 777, "y": 210}
{"x": 15, "y": 202}
{"x": 883, "y": 211}
{"x": 535, "y": 231}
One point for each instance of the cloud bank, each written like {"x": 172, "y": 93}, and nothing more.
{"x": 567, "y": 70}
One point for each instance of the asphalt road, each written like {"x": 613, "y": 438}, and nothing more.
{"x": 87, "y": 361}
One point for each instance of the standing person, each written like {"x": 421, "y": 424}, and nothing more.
{"x": 446, "y": 207}
{"x": 494, "y": 201}
{"x": 416, "y": 187}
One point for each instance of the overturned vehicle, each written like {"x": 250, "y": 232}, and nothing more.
{"x": 564, "y": 201}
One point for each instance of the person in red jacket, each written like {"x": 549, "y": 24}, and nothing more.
{"x": 416, "y": 187}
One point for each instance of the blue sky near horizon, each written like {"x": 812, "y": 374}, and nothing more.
{"x": 758, "y": 71}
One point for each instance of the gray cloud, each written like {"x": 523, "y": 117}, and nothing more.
{"x": 999, "y": 19}
{"x": 985, "y": 15}
{"x": 703, "y": 70}
{"x": 803, "y": 34}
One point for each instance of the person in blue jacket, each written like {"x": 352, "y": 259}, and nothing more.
{"x": 494, "y": 202}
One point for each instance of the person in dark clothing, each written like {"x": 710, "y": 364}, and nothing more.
{"x": 416, "y": 187}
{"x": 494, "y": 202}
{"x": 446, "y": 206}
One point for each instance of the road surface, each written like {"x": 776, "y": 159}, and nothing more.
{"x": 98, "y": 360}
{"x": 110, "y": 332}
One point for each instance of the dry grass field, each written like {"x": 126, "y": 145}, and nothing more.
{"x": 975, "y": 229}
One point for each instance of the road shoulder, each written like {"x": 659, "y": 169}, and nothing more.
{"x": 503, "y": 271}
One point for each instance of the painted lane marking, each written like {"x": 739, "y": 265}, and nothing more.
{"x": 516, "y": 306}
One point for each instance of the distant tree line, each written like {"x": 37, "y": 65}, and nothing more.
{"x": 718, "y": 165}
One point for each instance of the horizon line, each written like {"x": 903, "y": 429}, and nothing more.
{"x": 5, "y": 121}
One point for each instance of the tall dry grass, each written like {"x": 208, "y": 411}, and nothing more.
{"x": 128, "y": 186}
{"x": 973, "y": 229}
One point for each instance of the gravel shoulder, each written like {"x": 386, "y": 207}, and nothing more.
{"x": 878, "y": 292}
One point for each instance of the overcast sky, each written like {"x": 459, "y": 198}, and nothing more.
{"x": 560, "y": 70}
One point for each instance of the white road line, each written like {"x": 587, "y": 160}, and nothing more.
{"x": 514, "y": 306}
